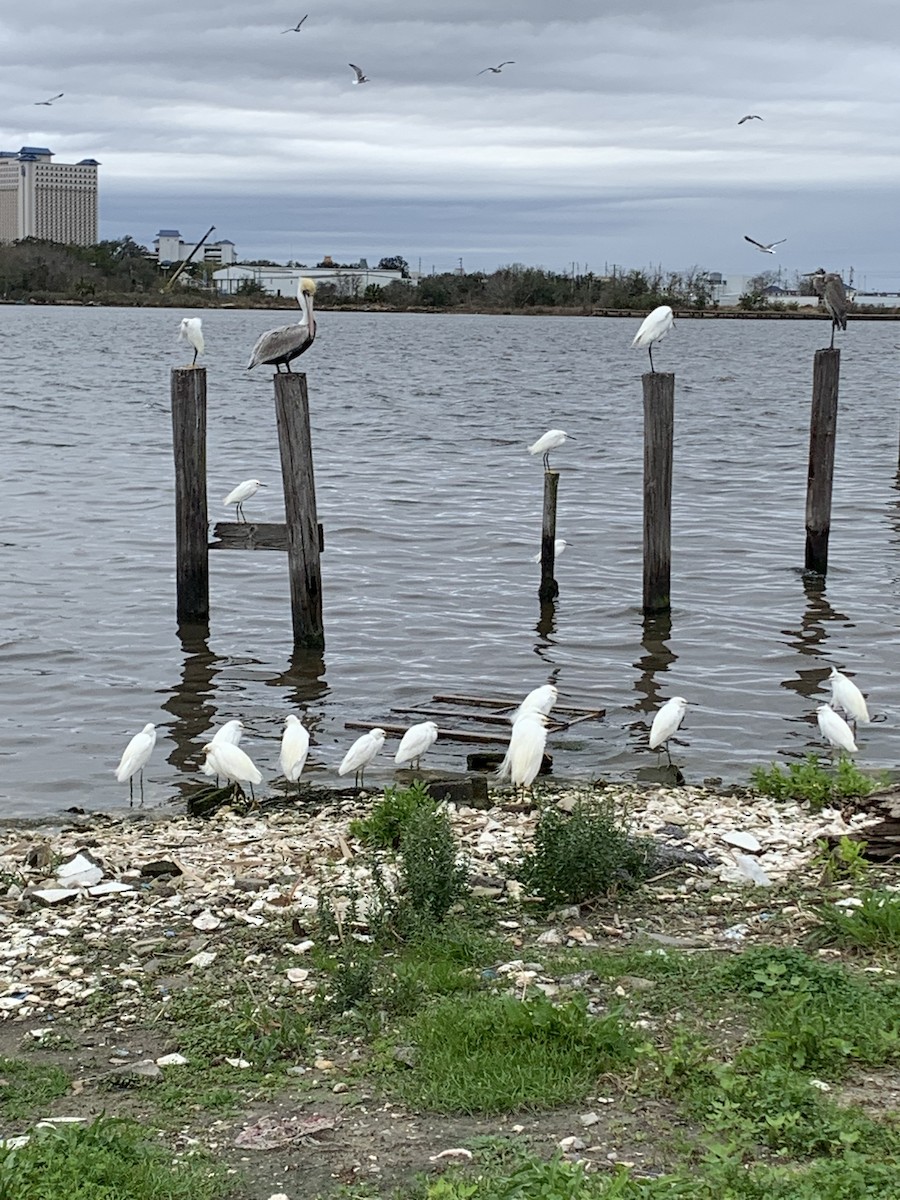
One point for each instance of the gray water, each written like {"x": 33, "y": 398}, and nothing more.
{"x": 432, "y": 510}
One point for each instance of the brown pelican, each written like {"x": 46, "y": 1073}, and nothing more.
{"x": 766, "y": 247}
{"x": 750, "y": 117}
{"x": 510, "y": 62}
{"x": 38, "y": 103}
{"x": 288, "y": 342}
{"x": 830, "y": 288}
{"x": 360, "y": 78}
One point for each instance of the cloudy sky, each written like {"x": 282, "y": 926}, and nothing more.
{"x": 612, "y": 139}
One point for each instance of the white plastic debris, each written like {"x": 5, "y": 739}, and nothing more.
{"x": 743, "y": 841}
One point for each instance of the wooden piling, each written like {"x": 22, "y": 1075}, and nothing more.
{"x": 659, "y": 429}
{"x": 549, "y": 589}
{"x": 822, "y": 438}
{"x": 188, "y": 387}
{"x": 304, "y": 568}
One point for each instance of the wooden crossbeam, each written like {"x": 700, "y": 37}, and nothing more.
{"x": 254, "y": 535}
{"x": 447, "y": 735}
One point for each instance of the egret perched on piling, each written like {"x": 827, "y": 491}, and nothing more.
{"x": 243, "y": 492}
{"x": 846, "y": 696}
{"x": 830, "y": 288}
{"x": 540, "y": 700}
{"x": 294, "y": 749}
{"x": 134, "y": 759}
{"x": 416, "y": 743}
{"x": 526, "y": 751}
{"x": 666, "y": 723}
{"x": 231, "y": 731}
{"x": 283, "y": 345}
{"x": 192, "y": 331}
{"x": 559, "y": 544}
{"x": 232, "y": 763}
{"x": 654, "y": 328}
{"x": 361, "y": 754}
{"x": 834, "y": 729}
{"x": 547, "y": 442}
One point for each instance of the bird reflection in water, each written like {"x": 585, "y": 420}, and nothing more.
{"x": 657, "y": 658}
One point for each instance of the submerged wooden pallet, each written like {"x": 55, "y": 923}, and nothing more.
{"x": 449, "y": 710}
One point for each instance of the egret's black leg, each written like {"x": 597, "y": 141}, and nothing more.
{"x": 650, "y": 352}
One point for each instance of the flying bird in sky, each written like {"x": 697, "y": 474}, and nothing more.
{"x": 510, "y": 62}
{"x": 360, "y": 78}
{"x": 38, "y": 103}
{"x": 295, "y": 28}
{"x": 750, "y": 117}
{"x": 766, "y": 247}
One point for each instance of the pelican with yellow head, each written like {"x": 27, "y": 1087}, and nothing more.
{"x": 282, "y": 346}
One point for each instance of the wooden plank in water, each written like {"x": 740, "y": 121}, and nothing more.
{"x": 501, "y": 703}
{"x": 249, "y": 535}
{"x": 446, "y": 735}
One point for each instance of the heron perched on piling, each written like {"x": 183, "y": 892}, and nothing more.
{"x": 288, "y": 342}
{"x": 829, "y": 287}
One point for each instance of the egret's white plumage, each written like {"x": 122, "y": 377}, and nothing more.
{"x": 279, "y": 347}
{"x": 834, "y": 729}
{"x": 526, "y": 750}
{"x": 540, "y": 700}
{"x": 294, "y": 748}
{"x": 135, "y": 756}
{"x": 846, "y": 696}
{"x": 666, "y": 723}
{"x": 548, "y": 441}
{"x": 243, "y": 492}
{"x": 416, "y": 742}
{"x": 559, "y": 545}
{"x": 361, "y": 754}
{"x": 654, "y": 328}
{"x": 192, "y": 331}
{"x": 231, "y": 731}
{"x": 232, "y": 763}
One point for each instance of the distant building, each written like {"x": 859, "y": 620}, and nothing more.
{"x": 170, "y": 247}
{"x": 39, "y": 198}
{"x": 284, "y": 281}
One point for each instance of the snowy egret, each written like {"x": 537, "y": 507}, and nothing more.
{"x": 654, "y": 328}
{"x": 540, "y": 700}
{"x": 287, "y": 342}
{"x": 549, "y": 441}
{"x": 295, "y": 28}
{"x": 47, "y": 103}
{"x": 134, "y": 758}
{"x": 232, "y": 763}
{"x": 750, "y": 117}
{"x": 415, "y": 743}
{"x": 231, "y": 731}
{"x": 834, "y": 729}
{"x": 830, "y": 288}
{"x": 666, "y": 723}
{"x": 766, "y": 247}
{"x": 192, "y": 331}
{"x": 846, "y": 696}
{"x": 558, "y": 546}
{"x": 243, "y": 492}
{"x": 526, "y": 751}
{"x": 361, "y": 754}
{"x": 496, "y": 70}
{"x": 360, "y": 78}
{"x": 294, "y": 749}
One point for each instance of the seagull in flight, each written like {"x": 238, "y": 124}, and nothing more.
{"x": 295, "y": 28}
{"x": 750, "y": 117}
{"x": 510, "y": 62}
{"x": 360, "y": 78}
{"x": 37, "y": 103}
{"x": 767, "y": 248}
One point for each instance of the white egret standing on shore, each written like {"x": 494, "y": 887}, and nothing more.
{"x": 415, "y": 743}
{"x": 134, "y": 759}
{"x": 526, "y": 751}
{"x": 243, "y": 492}
{"x": 666, "y": 723}
{"x": 361, "y": 754}
{"x": 654, "y": 328}
{"x": 834, "y": 729}
{"x": 294, "y": 749}
{"x": 231, "y": 731}
{"x": 232, "y": 763}
{"x": 279, "y": 347}
{"x": 846, "y": 696}
{"x": 548, "y": 441}
{"x": 192, "y": 331}
{"x": 540, "y": 700}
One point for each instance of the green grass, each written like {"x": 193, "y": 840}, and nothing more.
{"x": 491, "y": 1054}
{"x": 108, "y": 1160}
{"x": 28, "y": 1087}
{"x": 809, "y": 780}
{"x": 210, "y": 1029}
{"x": 390, "y": 815}
{"x": 873, "y": 925}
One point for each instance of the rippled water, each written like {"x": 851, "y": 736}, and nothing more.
{"x": 431, "y": 509}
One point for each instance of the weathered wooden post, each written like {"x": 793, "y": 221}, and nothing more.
{"x": 303, "y": 533}
{"x": 189, "y": 445}
{"x": 549, "y": 589}
{"x": 659, "y": 431}
{"x": 822, "y": 438}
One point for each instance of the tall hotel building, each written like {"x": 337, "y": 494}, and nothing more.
{"x": 56, "y": 202}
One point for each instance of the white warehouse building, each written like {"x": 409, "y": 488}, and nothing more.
{"x": 284, "y": 281}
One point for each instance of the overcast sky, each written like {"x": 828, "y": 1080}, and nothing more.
{"x": 612, "y": 139}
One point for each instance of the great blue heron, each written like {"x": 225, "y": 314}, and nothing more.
{"x": 288, "y": 342}
{"x": 766, "y": 247}
{"x": 654, "y": 328}
{"x": 510, "y": 62}
{"x": 830, "y": 288}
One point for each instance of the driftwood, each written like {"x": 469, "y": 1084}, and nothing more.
{"x": 882, "y": 836}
